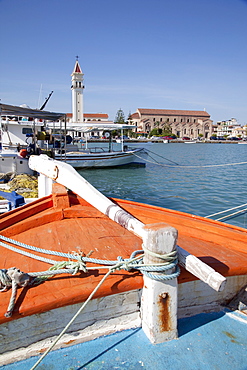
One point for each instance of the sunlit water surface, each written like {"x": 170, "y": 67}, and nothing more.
{"x": 198, "y": 190}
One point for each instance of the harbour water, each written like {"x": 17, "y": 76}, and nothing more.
{"x": 204, "y": 180}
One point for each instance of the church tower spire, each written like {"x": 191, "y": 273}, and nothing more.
{"x": 77, "y": 93}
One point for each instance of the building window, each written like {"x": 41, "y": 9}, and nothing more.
{"x": 194, "y": 121}
{"x": 181, "y": 120}
{"x": 188, "y": 120}
{"x": 153, "y": 119}
{"x": 161, "y": 120}
{"x": 185, "y": 131}
{"x": 27, "y": 130}
{"x": 175, "y": 120}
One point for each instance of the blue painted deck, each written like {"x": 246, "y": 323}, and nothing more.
{"x": 206, "y": 342}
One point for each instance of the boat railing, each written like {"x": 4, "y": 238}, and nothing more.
{"x": 228, "y": 214}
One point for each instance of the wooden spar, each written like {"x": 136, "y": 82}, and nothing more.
{"x": 201, "y": 270}
{"x": 66, "y": 175}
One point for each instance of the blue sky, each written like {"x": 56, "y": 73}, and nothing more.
{"x": 170, "y": 54}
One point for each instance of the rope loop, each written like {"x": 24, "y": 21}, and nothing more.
{"x": 170, "y": 262}
{"x": 167, "y": 258}
{"x": 15, "y": 278}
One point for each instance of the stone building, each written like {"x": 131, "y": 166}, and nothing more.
{"x": 182, "y": 122}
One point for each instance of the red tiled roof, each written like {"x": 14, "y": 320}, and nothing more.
{"x": 134, "y": 115}
{"x": 170, "y": 112}
{"x": 91, "y": 115}
{"x": 96, "y": 115}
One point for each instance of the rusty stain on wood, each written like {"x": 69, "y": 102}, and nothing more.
{"x": 164, "y": 316}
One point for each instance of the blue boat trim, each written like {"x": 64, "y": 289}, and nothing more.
{"x": 206, "y": 341}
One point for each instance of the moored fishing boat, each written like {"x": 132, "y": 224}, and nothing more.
{"x": 101, "y": 158}
{"x": 87, "y": 226}
{"x": 16, "y": 161}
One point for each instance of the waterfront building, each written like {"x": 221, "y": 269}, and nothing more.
{"x": 240, "y": 131}
{"x": 226, "y": 128}
{"x": 87, "y": 117}
{"x": 192, "y": 124}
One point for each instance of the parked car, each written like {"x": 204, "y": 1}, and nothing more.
{"x": 185, "y": 138}
{"x": 168, "y": 137}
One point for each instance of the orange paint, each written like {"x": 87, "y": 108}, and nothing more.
{"x": 65, "y": 222}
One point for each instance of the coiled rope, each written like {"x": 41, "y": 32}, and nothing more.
{"x": 13, "y": 277}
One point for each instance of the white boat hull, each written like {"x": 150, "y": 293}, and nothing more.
{"x": 103, "y": 159}
{"x": 13, "y": 163}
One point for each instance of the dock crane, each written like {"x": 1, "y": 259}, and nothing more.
{"x": 46, "y": 101}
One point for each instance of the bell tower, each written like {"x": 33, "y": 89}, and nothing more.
{"x": 77, "y": 93}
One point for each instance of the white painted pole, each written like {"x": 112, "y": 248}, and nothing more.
{"x": 66, "y": 175}
{"x": 201, "y": 270}
{"x": 44, "y": 186}
{"x": 159, "y": 298}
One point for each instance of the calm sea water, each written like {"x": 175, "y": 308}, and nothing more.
{"x": 198, "y": 190}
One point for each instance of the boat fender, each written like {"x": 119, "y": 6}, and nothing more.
{"x": 23, "y": 153}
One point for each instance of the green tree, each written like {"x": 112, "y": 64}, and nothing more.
{"x": 167, "y": 131}
{"x": 154, "y": 132}
{"x": 120, "y": 118}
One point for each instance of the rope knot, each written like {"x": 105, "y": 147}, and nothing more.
{"x": 5, "y": 280}
{"x": 123, "y": 264}
{"x": 81, "y": 264}
{"x": 13, "y": 277}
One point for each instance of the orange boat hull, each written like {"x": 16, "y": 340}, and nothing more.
{"x": 66, "y": 223}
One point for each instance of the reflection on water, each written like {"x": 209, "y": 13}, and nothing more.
{"x": 198, "y": 190}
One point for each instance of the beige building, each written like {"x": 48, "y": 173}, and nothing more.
{"x": 182, "y": 122}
